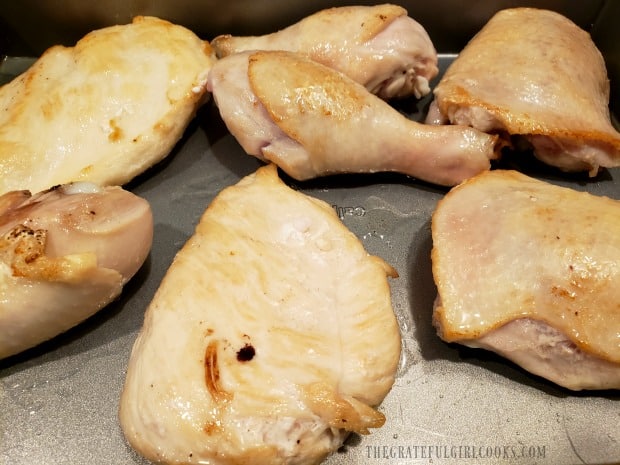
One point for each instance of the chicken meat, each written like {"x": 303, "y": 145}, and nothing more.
{"x": 530, "y": 270}
{"x": 65, "y": 254}
{"x": 379, "y": 46}
{"x": 104, "y": 110}
{"x": 271, "y": 337}
{"x": 534, "y": 76}
{"x": 313, "y": 121}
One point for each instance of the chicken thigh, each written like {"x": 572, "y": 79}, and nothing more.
{"x": 271, "y": 337}
{"x": 530, "y": 270}
{"x": 102, "y": 111}
{"x": 312, "y": 121}
{"x": 378, "y": 46}
{"x": 534, "y": 74}
{"x": 65, "y": 253}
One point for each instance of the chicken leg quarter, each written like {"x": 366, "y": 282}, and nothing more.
{"x": 531, "y": 271}
{"x": 535, "y": 75}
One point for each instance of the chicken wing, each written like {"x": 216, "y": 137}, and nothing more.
{"x": 102, "y": 111}
{"x": 533, "y": 73}
{"x": 313, "y": 121}
{"x": 378, "y": 46}
{"x": 65, "y": 253}
{"x": 530, "y": 270}
{"x": 271, "y": 337}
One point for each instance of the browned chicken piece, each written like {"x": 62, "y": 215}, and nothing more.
{"x": 535, "y": 74}
{"x": 312, "y": 121}
{"x": 379, "y": 46}
{"x": 270, "y": 339}
{"x": 65, "y": 254}
{"x": 531, "y": 271}
{"x": 104, "y": 110}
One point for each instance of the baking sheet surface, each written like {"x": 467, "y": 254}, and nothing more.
{"x": 449, "y": 405}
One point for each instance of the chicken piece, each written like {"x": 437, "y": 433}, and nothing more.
{"x": 534, "y": 75}
{"x": 271, "y": 337}
{"x": 379, "y": 46}
{"x": 530, "y": 270}
{"x": 65, "y": 253}
{"x": 102, "y": 111}
{"x": 312, "y": 121}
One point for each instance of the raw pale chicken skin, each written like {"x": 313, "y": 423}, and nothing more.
{"x": 65, "y": 254}
{"x": 534, "y": 74}
{"x": 313, "y": 121}
{"x": 531, "y": 271}
{"x": 271, "y": 337}
{"x": 378, "y": 46}
{"x": 103, "y": 111}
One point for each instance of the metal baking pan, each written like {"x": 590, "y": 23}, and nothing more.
{"x": 449, "y": 405}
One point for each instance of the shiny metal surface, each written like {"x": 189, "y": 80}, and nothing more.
{"x": 450, "y": 404}
{"x": 30, "y": 26}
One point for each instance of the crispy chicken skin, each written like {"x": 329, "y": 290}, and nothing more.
{"x": 313, "y": 121}
{"x": 533, "y": 74}
{"x": 104, "y": 110}
{"x": 65, "y": 254}
{"x": 378, "y": 46}
{"x": 531, "y": 270}
{"x": 271, "y": 337}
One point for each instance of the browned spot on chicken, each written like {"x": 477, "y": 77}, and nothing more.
{"x": 23, "y": 249}
{"x": 340, "y": 412}
{"x": 162, "y": 128}
{"x": 116, "y": 133}
{"x": 50, "y": 107}
{"x": 246, "y": 353}
{"x": 85, "y": 172}
{"x": 562, "y": 292}
{"x": 212, "y": 373}
{"x": 212, "y": 427}
{"x": 20, "y": 247}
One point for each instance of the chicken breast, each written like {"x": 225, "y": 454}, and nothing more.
{"x": 313, "y": 121}
{"x": 270, "y": 338}
{"x": 530, "y": 270}
{"x": 102, "y": 111}
{"x": 65, "y": 254}
{"x": 534, "y": 74}
{"x": 379, "y": 46}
